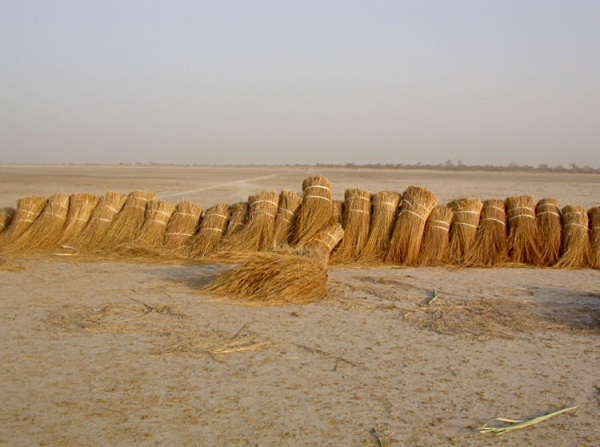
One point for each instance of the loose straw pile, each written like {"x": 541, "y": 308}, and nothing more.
{"x": 523, "y": 234}
{"x": 152, "y": 233}
{"x": 181, "y": 227}
{"x": 576, "y": 249}
{"x": 490, "y": 248}
{"x": 316, "y": 210}
{"x": 548, "y": 219}
{"x": 464, "y": 228}
{"x": 211, "y": 231}
{"x": 239, "y": 217}
{"x": 28, "y": 210}
{"x": 357, "y": 223}
{"x": 108, "y": 207}
{"x": 436, "y": 237}
{"x": 80, "y": 211}
{"x": 594, "y": 214}
{"x": 289, "y": 204}
{"x": 385, "y": 208}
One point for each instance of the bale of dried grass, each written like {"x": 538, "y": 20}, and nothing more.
{"x": 325, "y": 242}
{"x": 273, "y": 279}
{"x": 523, "y": 234}
{"x": 385, "y": 209}
{"x": 257, "y": 235}
{"x": 240, "y": 212}
{"x": 337, "y": 213}
{"x": 549, "y": 223}
{"x": 405, "y": 243}
{"x": 464, "y": 228}
{"x": 594, "y": 215}
{"x": 6, "y": 216}
{"x": 211, "y": 231}
{"x": 357, "y": 222}
{"x": 80, "y": 211}
{"x": 576, "y": 248}
{"x": 490, "y": 248}
{"x": 181, "y": 227}
{"x": 109, "y": 205}
{"x": 316, "y": 210}
{"x": 28, "y": 210}
{"x": 436, "y": 237}
{"x": 289, "y": 204}
{"x": 152, "y": 233}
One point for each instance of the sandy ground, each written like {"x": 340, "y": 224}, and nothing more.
{"x": 97, "y": 353}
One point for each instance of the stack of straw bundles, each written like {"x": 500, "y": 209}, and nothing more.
{"x": 327, "y": 239}
{"x": 523, "y": 234}
{"x": 464, "y": 228}
{"x": 239, "y": 216}
{"x": 357, "y": 221}
{"x": 257, "y": 235}
{"x": 405, "y": 243}
{"x": 337, "y": 212}
{"x": 316, "y": 210}
{"x": 80, "y": 210}
{"x": 594, "y": 215}
{"x": 289, "y": 203}
{"x": 548, "y": 219}
{"x": 28, "y": 210}
{"x": 6, "y": 217}
{"x": 152, "y": 233}
{"x": 181, "y": 227}
{"x": 490, "y": 247}
{"x": 576, "y": 249}
{"x": 211, "y": 231}
{"x": 274, "y": 279}
{"x": 109, "y": 205}
{"x": 436, "y": 237}
{"x": 385, "y": 208}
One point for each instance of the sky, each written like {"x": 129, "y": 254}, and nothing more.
{"x": 300, "y": 82}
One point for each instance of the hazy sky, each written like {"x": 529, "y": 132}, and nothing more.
{"x": 300, "y": 81}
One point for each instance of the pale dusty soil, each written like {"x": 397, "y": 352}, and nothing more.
{"x": 99, "y": 353}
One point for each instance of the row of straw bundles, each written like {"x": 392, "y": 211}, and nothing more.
{"x": 436, "y": 237}
{"x": 405, "y": 243}
{"x": 6, "y": 217}
{"x": 152, "y": 232}
{"x": 594, "y": 214}
{"x": 28, "y": 210}
{"x": 109, "y": 205}
{"x": 490, "y": 247}
{"x": 576, "y": 249}
{"x": 181, "y": 227}
{"x": 289, "y": 203}
{"x": 316, "y": 211}
{"x": 357, "y": 222}
{"x": 385, "y": 208}
{"x": 464, "y": 228}
{"x": 211, "y": 231}
{"x": 523, "y": 233}
{"x": 548, "y": 219}
{"x": 81, "y": 207}
{"x": 240, "y": 212}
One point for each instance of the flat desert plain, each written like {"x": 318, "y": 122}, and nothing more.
{"x": 116, "y": 353}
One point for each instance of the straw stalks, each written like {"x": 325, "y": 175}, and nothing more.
{"x": 316, "y": 211}
{"x": 152, "y": 233}
{"x": 385, "y": 208}
{"x": 405, "y": 243}
{"x": 594, "y": 215}
{"x": 436, "y": 237}
{"x": 490, "y": 248}
{"x": 239, "y": 217}
{"x": 337, "y": 212}
{"x": 109, "y": 205}
{"x": 80, "y": 210}
{"x": 518, "y": 424}
{"x": 523, "y": 234}
{"x": 548, "y": 219}
{"x": 181, "y": 227}
{"x": 6, "y": 217}
{"x": 289, "y": 204}
{"x": 211, "y": 231}
{"x": 326, "y": 241}
{"x": 357, "y": 223}
{"x": 576, "y": 248}
{"x": 28, "y": 210}
{"x": 464, "y": 228}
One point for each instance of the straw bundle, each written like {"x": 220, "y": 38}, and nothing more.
{"x": 289, "y": 203}
{"x": 102, "y": 216}
{"x": 490, "y": 247}
{"x": 464, "y": 228}
{"x": 405, "y": 243}
{"x": 152, "y": 233}
{"x": 436, "y": 237}
{"x": 357, "y": 211}
{"x": 181, "y": 226}
{"x": 257, "y": 235}
{"x": 128, "y": 222}
{"x": 385, "y": 208}
{"x": 337, "y": 212}
{"x": 273, "y": 278}
{"x": 239, "y": 216}
{"x": 523, "y": 234}
{"x": 28, "y": 210}
{"x": 548, "y": 219}
{"x": 211, "y": 231}
{"x": 594, "y": 214}
{"x": 316, "y": 210}
{"x": 80, "y": 210}
{"x": 327, "y": 239}
{"x": 576, "y": 248}
{"x": 6, "y": 217}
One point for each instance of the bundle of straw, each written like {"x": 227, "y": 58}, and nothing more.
{"x": 239, "y": 216}
{"x": 337, "y": 212}
{"x": 405, "y": 243}
{"x": 490, "y": 247}
{"x": 523, "y": 234}
{"x": 385, "y": 208}
{"x": 6, "y": 217}
{"x": 316, "y": 210}
{"x": 289, "y": 203}
{"x": 357, "y": 220}
{"x": 274, "y": 279}
{"x": 436, "y": 237}
{"x": 128, "y": 222}
{"x": 152, "y": 233}
{"x": 325, "y": 242}
{"x": 28, "y": 210}
{"x": 257, "y": 235}
{"x": 548, "y": 219}
{"x": 464, "y": 228}
{"x": 576, "y": 248}
{"x": 109, "y": 205}
{"x": 594, "y": 214}
{"x": 80, "y": 210}
{"x": 211, "y": 231}
{"x": 181, "y": 227}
